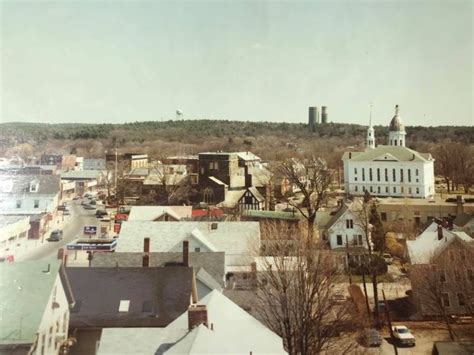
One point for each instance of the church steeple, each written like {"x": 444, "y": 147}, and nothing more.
{"x": 370, "y": 142}
{"x": 396, "y": 135}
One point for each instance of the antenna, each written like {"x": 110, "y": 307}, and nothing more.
{"x": 370, "y": 117}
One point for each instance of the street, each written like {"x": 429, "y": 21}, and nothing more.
{"x": 72, "y": 229}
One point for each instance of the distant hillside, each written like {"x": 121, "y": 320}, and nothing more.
{"x": 15, "y": 133}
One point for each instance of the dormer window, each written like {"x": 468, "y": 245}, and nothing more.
{"x": 34, "y": 185}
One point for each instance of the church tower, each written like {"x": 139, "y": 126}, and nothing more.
{"x": 397, "y": 132}
{"x": 370, "y": 142}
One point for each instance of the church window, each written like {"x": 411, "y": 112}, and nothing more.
{"x": 401, "y": 143}
{"x": 370, "y": 174}
{"x": 416, "y": 172}
{"x": 386, "y": 174}
{"x": 371, "y": 189}
{"x": 339, "y": 239}
{"x": 363, "y": 174}
{"x": 355, "y": 188}
{"x": 409, "y": 175}
{"x": 401, "y": 175}
{"x": 378, "y": 174}
{"x": 355, "y": 171}
{"x": 417, "y": 190}
{"x": 386, "y": 189}
{"x": 378, "y": 189}
{"x": 395, "y": 142}
{"x": 394, "y": 177}
{"x": 409, "y": 190}
{"x": 402, "y": 190}
{"x": 394, "y": 189}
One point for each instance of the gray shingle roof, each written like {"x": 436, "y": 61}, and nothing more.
{"x": 98, "y": 293}
{"x": 213, "y": 263}
{"x": 81, "y": 175}
{"x": 20, "y": 184}
{"x": 388, "y": 153}
{"x": 150, "y": 213}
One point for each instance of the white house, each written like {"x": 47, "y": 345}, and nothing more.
{"x": 29, "y": 194}
{"x": 34, "y": 307}
{"x": 389, "y": 170}
{"x": 345, "y": 229}
{"x": 215, "y": 325}
{"x": 431, "y": 242}
{"x": 160, "y": 213}
{"x": 13, "y": 234}
{"x": 240, "y": 241}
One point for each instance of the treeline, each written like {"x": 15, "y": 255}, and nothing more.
{"x": 17, "y": 133}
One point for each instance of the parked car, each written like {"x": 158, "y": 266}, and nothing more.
{"x": 371, "y": 337}
{"x": 100, "y": 213}
{"x": 55, "y": 236}
{"x": 388, "y": 258}
{"x": 88, "y": 207}
{"x": 7, "y": 258}
{"x": 403, "y": 335}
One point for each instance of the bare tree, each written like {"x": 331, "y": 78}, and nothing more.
{"x": 311, "y": 178}
{"x": 171, "y": 184}
{"x": 295, "y": 292}
{"x": 445, "y": 286}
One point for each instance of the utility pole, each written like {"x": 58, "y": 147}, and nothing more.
{"x": 389, "y": 321}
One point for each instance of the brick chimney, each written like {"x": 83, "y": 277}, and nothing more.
{"x": 186, "y": 253}
{"x": 146, "y": 260}
{"x": 146, "y": 245}
{"x": 440, "y": 232}
{"x": 197, "y": 315}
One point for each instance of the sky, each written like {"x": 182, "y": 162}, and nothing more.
{"x": 121, "y": 61}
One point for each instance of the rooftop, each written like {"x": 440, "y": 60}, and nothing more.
{"x": 153, "y": 296}
{"x": 25, "y": 289}
{"x": 20, "y": 184}
{"x": 388, "y": 153}
{"x": 151, "y": 213}
{"x": 81, "y": 175}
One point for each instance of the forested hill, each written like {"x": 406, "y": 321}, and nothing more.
{"x": 180, "y": 130}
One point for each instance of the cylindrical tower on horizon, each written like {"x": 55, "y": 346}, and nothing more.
{"x": 324, "y": 114}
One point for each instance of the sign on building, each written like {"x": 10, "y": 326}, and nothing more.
{"x": 90, "y": 230}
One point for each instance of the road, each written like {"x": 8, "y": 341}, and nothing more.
{"x": 72, "y": 230}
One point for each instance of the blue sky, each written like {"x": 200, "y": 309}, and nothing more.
{"x": 119, "y": 61}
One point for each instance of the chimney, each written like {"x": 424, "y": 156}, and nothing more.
{"x": 440, "y": 232}
{"x": 197, "y": 315}
{"x": 186, "y": 253}
{"x": 248, "y": 178}
{"x": 253, "y": 276}
{"x": 350, "y": 155}
{"x": 48, "y": 269}
{"x": 459, "y": 206}
{"x": 146, "y": 245}
{"x": 146, "y": 260}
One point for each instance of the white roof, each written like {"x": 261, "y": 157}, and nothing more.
{"x": 247, "y": 156}
{"x": 239, "y": 240}
{"x": 151, "y": 213}
{"x": 427, "y": 245}
{"x": 234, "y": 332}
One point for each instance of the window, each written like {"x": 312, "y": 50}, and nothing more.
{"x": 50, "y": 337}
{"x": 442, "y": 276}
{"x": 394, "y": 189}
{"x": 409, "y": 175}
{"x": 349, "y": 223}
{"x": 386, "y": 189}
{"x": 355, "y": 178}
{"x": 383, "y": 216}
{"x": 370, "y": 174}
{"x": 43, "y": 341}
{"x": 359, "y": 239}
{"x": 417, "y": 190}
{"x": 124, "y": 305}
{"x": 401, "y": 175}
{"x": 416, "y": 172}
{"x": 18, "y": 203}
{"x": 371, "y": 190}
{"x": 248, "y": 200}
{"x": 36, "y": 203}
{"x": 445, "y": 300}
{"x": 339, "y": 239}
{"x": 65, "y": 323}
{"x": 363, "y": 174}
{"x": 394, "y": 176}
{"x": 197, "y": 249}
{"x": 386, "y": 174}
{"x": 378, "y": 189}
{"x": 395, "y": 141}
{"x": 402, "y": 189}
{"x": 355, "y": 188}
{"x": 355, "y": 171}
{"x": 409, "y": 190}
{"x": 378, "y": 174}
{"x": 457, "y": 275}
{"x": 461, "y": 299}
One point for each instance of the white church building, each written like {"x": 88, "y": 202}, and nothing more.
{"x": 391, "y": 170}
